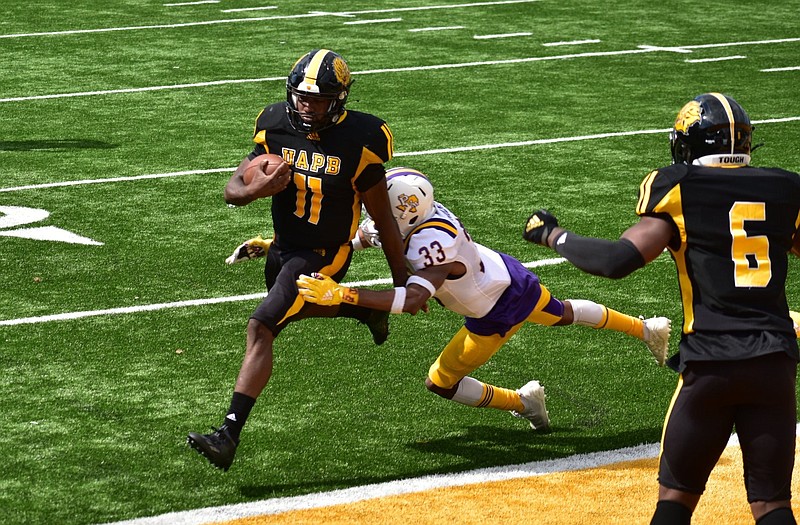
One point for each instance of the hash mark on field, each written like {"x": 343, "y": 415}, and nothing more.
{"x": 192, "y": 3}
{"x": 376, "y": 21}
{"x": 774, "y": 69}
{"x": 445, "y": 28}
{"x": 572, "y": 43}
{"x": 505, "y": 35}
{"x": 240, "y": 9}
{"x": 717, "y": 59}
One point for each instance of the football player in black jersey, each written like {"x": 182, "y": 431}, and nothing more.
{"x": 333, "y": 162}
{"x": 729, "y": 228}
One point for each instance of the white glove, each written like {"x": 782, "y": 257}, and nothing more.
{"x": 796, "y": 322}
{"x": 251, "y": 249}
{"x": 366, "y": 235}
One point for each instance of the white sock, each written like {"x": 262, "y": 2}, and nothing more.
{"x": 470, "y": 392}
{"x": 586, "y": 313}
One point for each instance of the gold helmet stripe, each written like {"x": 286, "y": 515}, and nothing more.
{"x": 312, "y": 71}
{"x": 728, "y": 111}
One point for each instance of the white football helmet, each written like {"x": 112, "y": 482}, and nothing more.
{"x": 411, "y": 198}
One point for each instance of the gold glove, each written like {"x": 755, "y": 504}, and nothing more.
{"x": 251, "y": 249}
{"x": 321, "y": 289}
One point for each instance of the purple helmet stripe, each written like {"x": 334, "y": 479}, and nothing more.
{"x": 399, "y": 172}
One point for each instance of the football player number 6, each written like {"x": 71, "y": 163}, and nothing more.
{"x": 750, "y": 254}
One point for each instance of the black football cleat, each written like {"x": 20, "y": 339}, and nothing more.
{"x": 378, "y": 324}
{"x": 219, "y": 447}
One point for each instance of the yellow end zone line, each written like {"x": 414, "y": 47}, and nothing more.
{"x": 406, "y": 486}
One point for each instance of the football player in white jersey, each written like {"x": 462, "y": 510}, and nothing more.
{"x": 494, "y": 292}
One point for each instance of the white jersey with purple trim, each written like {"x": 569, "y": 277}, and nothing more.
{"x": 442, "y": 239}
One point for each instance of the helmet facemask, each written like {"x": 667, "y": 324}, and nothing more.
{"x": 320, "y": 74}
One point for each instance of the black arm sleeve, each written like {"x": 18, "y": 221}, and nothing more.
{"x": 614, "y": 259}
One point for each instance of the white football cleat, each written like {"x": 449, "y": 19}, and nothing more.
{"x": 656, "y": 337}
{"x": 532, "y": 396}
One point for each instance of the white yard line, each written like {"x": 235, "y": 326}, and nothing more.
{"x": 69, "y": 316}
{"x": 640, "y": 49}
{"x": 311, "y": 14}
{"x": 397, "y": 155}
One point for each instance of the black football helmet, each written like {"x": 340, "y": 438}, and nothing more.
{"x": 321, "y": 73}
{"x": 712, "y": 129}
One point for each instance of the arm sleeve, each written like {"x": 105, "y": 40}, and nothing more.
{"x": 614, "y": 259}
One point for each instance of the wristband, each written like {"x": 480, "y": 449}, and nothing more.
{"x": 421, "y": 281}
{"x": 350, "y": 295}
{"x": 399, "y": 300}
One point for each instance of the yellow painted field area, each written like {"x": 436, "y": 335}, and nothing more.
{"x": 619, "y": 493}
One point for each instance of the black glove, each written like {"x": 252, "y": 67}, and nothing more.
{"x": 539, "y": 226}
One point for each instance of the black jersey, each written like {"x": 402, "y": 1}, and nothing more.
{"x": 321, "y": 208}
{"x": 734, "y": 228}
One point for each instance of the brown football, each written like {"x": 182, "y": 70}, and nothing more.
{"x": 273, "y": 161}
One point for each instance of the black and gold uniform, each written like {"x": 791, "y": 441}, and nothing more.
{"x": 333, "y": 163}
{"x": 317, "y": 214}
{"x": 734, "y": 228}
{"x": 320, "y": 208}
{"x": 729, "y": 227}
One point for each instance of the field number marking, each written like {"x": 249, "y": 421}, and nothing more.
{"x": 13, "y": 216}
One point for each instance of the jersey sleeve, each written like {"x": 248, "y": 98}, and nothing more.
{"x": 269, "y": 118}
{"x": 653, "y": 191}
{"x": 434, "y": 243}
{"x": 660, "y": 196}
{"x": 378, "y": 149}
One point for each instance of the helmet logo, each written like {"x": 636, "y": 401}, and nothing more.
{"x": 341, "y": 71}
{"x": 688, "y": 116}
{"x": 407, "y": 203}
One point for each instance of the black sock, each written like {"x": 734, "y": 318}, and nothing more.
{"x": 781, "y": 516}
{"x": 671, "y": 513}
{"x": 238, "y": 413}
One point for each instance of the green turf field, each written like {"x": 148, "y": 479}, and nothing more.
{"x": 123, "y": 120}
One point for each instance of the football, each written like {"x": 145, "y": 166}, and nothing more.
{"x": 273, "y": 161}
